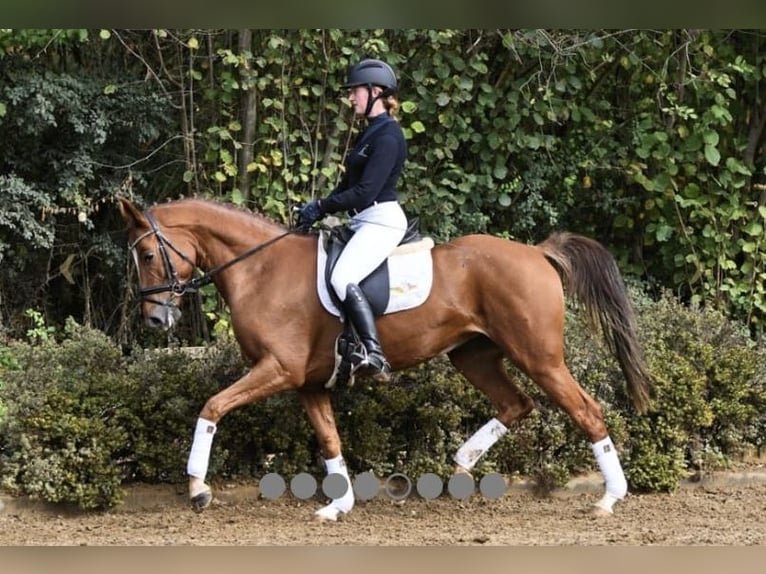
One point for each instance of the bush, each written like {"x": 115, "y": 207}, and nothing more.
{"x": 64, "y": 431}
{"x": 168, "y": 389}
{"x": 165, "y": 390}
{"x": 709, "y": 395}
{"x": 7, "y": 362}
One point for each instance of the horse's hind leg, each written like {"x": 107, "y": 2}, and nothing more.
{"x": 558, "y": 383}
{"x": 481, "y": 362}
{"x": 320, "y": 413}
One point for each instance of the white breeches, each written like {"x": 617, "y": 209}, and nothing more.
{"x": 378, "y": 230}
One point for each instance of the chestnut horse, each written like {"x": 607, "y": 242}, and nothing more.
{"x": 491, "y": 299}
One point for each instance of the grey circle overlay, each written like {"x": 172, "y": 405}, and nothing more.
{"x": 430, "y": 486}
{"x": 393, "y": 486}
{"x": 366, "y": 486}
{"x": 460, "y": 486}
{"x": 492, "y": 485}
{"x": 303, "y": 485}
{"x": 335, "y": 485}
{"x": 271, "y": 486}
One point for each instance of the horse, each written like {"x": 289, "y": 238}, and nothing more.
{"x": 491, "y": 299}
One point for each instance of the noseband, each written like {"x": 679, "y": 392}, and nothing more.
{"x": 175, "y": 285}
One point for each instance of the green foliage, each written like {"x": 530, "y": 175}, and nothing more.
{"x": 709, "y": 395}
{"x": 69, "y": 136}
{"x": 688, "y": 188}
{"x": 168, "y": 389}
{"x": 7, "y": 362}
{"x": 274, "y": 436}
{"x": 24, "y": 42}
{"x": 39, "y": 331}
{"x": 63, "y": 429}
{"x": 19, "y": 206}
{"x": 74, "y": 147}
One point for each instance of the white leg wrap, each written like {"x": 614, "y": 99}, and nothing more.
{"x": 473, "y": 449}
{"x": 609, "y": 464}
{"x": 199, "y": 457}
{"x": 345, "y": 503}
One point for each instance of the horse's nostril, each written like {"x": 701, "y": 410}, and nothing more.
{"x": 154, "y": 322}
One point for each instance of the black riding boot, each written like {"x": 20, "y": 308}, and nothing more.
{"x": 360, "y": 313}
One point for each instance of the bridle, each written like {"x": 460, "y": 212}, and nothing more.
{"x": 175, "y": 284}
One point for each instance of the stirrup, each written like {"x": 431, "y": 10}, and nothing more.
{"x": 343, "y": 371}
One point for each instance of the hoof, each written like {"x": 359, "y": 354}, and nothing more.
{"x": 461, "y": 470}
{"x": 604, "y": 506}
{"x": 201, "y": 501}
{"x": 600, "y": 512}
{"x": 328, "y": 514}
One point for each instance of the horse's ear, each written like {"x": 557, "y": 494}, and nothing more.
{"x": 133, "y": 216}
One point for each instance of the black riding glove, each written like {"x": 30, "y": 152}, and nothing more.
{"x": 310, "y": 213}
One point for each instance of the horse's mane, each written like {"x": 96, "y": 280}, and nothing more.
{"x": 215, "y": 206}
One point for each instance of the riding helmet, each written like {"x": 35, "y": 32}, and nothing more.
{"x": 371, "y": 72}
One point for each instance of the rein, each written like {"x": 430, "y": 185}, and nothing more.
{"x": 176, "y": 285}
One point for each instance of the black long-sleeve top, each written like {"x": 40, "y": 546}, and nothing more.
{"x": 371, "y": 169}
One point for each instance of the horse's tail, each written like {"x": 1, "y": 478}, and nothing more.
{"x": 590, "y": 273}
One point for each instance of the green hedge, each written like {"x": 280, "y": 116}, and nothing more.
{"x": 82, "y": 419}
{"x": 66, "y": 422}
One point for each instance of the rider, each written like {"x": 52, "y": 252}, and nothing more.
{"x": 367, "y": 191}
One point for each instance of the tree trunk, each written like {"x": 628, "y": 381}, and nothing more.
{"x": 247, "y": 111}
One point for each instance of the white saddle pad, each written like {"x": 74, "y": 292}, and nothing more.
{"x": 410, "y": 271}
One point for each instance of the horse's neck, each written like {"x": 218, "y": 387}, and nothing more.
{"x": 222, "y": 234}
{"x": 220, "y": 244}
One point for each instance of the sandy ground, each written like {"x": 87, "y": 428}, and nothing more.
{"x": 720, "y": 511}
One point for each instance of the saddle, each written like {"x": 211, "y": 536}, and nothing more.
{"x": 376, "y": 285}
{"x": 383, "y": 287}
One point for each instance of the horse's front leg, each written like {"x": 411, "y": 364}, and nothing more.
{"x": 266, "y": 378}
{"x": 319, "y": 410}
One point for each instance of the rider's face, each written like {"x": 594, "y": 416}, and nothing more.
{"x": 359, "y": 96}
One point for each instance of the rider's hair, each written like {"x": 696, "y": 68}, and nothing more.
{"x": 392, "y": 106}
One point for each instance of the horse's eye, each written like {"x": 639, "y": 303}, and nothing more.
{"x": 148, "y": 256}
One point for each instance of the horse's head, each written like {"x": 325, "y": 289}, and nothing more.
{"x": 165, "y": 265}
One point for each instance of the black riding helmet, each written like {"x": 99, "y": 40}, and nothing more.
{"x": 371, "y": 72}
